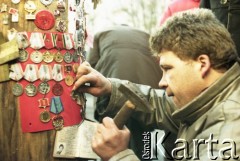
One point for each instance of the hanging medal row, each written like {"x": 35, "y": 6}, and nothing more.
{"x": 44, "y": 76}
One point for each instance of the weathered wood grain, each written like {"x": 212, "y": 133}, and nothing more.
{"x": 14, "y": 144}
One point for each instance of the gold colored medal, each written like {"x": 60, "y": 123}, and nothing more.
{"x": 45, "y": 116}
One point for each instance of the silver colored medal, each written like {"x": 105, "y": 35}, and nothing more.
{"x": 68, "y": 58}
{"x": 31, "y": 90}
{"x": 43, "y": 88}
{"x": 36, "y": 57}
{"x": 23, "y": 55}
{"x": 17, "y": 89}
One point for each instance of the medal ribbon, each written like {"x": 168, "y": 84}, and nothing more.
{"x": 44, "y": 72}
{"x": 36, "y": 40}
{"x": 48, "y": 40}
{"x": 31, "y": 72}
{"x": 56, "y": 105}
{"x": 16, "y": 72}
{"x": 59, "y": 41}
{"x": 68, "y": 42}
{"x": 57, "y": 72}
{"x": 22, "y": 40}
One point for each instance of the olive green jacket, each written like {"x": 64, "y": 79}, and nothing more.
{"x": 209, "y": 124}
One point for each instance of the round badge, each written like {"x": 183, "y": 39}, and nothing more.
{"x": 57, "y": 89}
{"x": 23, "y": 55}
{"x": 45, "y": 116}
{"x": 31, "y": 90}
{"x": 58, "y": 57}
{"x": 47, "y": 57}
{"x": 17, "y": 89}
{"x": 69, "y": 80}
{"x": 44, "y": 20}
{"x": 43, "y": 87}
{"x": 68, "y": 58}
{"x": 36, "y": 57}
{"x": 58, "y": 122}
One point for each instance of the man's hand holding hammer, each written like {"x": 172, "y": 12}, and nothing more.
{"x": 111, "y": 137}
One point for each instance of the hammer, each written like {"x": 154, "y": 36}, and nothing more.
{"x": 136, "y": 100}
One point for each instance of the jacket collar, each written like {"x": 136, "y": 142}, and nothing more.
{"x": 207, "y": 99}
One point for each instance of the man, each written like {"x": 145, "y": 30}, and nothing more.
{"x": 228, "y": 12}
{"x": 200, "y": 89}
{"x": 123, "y": 52}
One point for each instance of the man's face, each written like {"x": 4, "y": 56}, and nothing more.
{"x": 181, "y": 79}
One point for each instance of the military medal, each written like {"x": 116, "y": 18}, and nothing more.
{"x": 57, "y": 89}
{"x": 69, "y": 80}
{"x": 61, "y": 5}
{"x": 58, "y": 57}
{"x": 57, "y": 73}
{"x": 23, "y": 55}
{"x": 48, "y": 57}
{"x": 75, "y": 67}
{"x": 17, "y": 89}
{"x": 44, "y": 115}
{"x": 58, "y": 122}
{"x": 76, "y": 56}
{"x": 68, "y": 58}
{"x": 36, "y": 56}
{"x": 44, "y": 20}
{"x": 61, "y": 25}
{"x": 30, "y": 75}
{"x": 56, "y": 108}
{"x": 44, "y": 73}
{"x": 16, "y": 73}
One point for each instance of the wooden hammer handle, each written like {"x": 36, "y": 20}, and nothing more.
{"x": 124, "y": 114}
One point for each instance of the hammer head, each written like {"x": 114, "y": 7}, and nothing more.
{"x": 133, "y": 94}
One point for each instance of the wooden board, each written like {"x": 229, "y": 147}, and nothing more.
{"x": 15, "y": 145}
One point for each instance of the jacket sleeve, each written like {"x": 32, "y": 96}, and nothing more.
{"x": 160, "y": 113}
{"x": 93, "y": 55}
{"x": 126, "y": 155}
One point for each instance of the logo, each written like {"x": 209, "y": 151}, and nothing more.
{"x": 155, "y": 146}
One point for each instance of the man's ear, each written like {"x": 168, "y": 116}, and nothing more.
{"x": 205, "y": 64}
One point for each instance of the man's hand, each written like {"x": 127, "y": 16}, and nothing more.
{"x": 109, "y": 140}
{"x": 98, "y": 84}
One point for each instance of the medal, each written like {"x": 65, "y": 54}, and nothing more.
{"x": 58, "y": 57}
{"x": 44, "y": 20}
{"x": 31, "y": 90}
{"x": 69, "y": 80}
{"x": 43, "y": 88}
{"x": 61, "y": 5}
{"x": 47, "y": 57}
{"x": 58, "y": 122}
{"x": 76, "y": 57}
{"x": 36, "y": 56}
{"x": 61, "y": 25}
{"x": 75, "y": 67}
{"x": 16, "y": 73}
{"x": 59, "y": 41}
{"x": 57, "y": 89}
{"x": 45, "y": 116}
{"x": 68, "y": 58}
{"x": 17, "y": 89}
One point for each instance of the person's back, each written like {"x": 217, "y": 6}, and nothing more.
{"x": 177, "y": 6}
{"x": 123, "y": 52}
